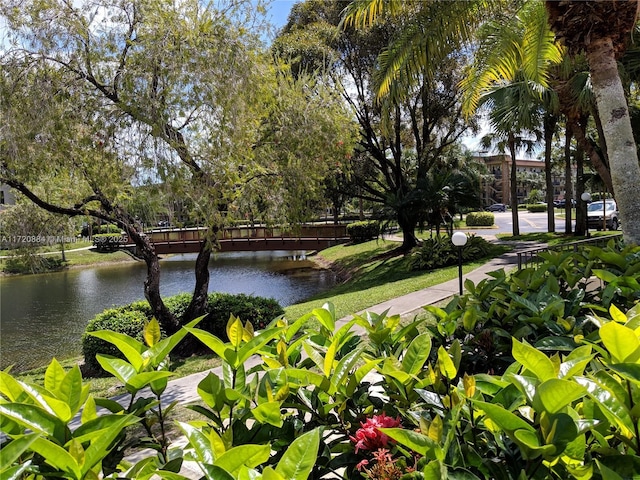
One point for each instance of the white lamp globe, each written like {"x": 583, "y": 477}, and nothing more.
{"x": 459, "y": 239}
{"x": 586, "y": 197}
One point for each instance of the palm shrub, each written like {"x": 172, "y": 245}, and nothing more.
{"x": 440, "y": 252}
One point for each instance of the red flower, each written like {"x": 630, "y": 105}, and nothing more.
{"x": 369, "y": 437}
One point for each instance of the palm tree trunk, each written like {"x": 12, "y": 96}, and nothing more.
{"x": 550, "y": 122}
{"x": 616, "y": 124}
{"x": 568, "y": 183}
{"x": 581, "y": 206}
{"x": 514, "y": 186}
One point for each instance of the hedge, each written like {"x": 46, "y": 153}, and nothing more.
{"x": 440, "y": 252}
{"x": 363, "y": 231}
{"x": 480, "y": 219}
{"x": 537, "y": 207}
{"x": 129, "y": 319}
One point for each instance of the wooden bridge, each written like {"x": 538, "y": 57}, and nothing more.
{"x": 248, "y": 239}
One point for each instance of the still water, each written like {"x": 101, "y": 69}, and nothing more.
{"x": 44, "y": 316}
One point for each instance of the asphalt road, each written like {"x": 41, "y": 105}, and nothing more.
{"x": 528, "y": 222}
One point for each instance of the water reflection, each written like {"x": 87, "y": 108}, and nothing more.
{"x": 42, "y": 316}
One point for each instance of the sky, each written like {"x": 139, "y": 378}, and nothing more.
{"x": 279, "y": 11}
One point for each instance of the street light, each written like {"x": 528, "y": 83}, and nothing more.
{"x": 586, "y": 198}
{"x": 459, "y": 239}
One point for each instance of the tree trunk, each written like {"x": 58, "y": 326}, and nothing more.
{"x": 597, "y": 162}
{"x": 616, "y": 124}
{"x": 408, "y": 226}
{"x": 581, "y": 206}
{"x": 568, "y": 184}
{"x": 550, "y": 122}
{"x": 152, "y": 283}
{"x": 199, "y": 301}
{"x": 514, "y": 186}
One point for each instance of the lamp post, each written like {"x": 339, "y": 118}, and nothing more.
{"x": 459, "y": 239}
{"x": 586, "y": 198}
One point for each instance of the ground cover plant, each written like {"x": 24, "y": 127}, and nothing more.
{"x": 370, "y": 398}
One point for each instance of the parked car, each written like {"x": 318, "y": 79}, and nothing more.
{"x": 599, "y": 209}
{"x": 497, "y": 207}
{"x": 562, "y": 203}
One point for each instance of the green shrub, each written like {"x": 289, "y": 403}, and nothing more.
{"x": 129, "y": 319}
{"x": 537, "y": 207}
{"x": 122, "y": 320}
{"x": 25, "y": 264}
{"x": 363, "y": 231}
{"x": 258, "y": 311}
{"x": 440, "y": 252}
{"x": 480, "y": 219}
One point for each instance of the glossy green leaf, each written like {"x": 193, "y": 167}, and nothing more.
{"x": 326, "y": 316}
{"x": 130, "y": 347}
{"x": 252, "y": 347}
{"x": 210, "y": 340}
{"x": 446, "y": 365}
{"x": 12, "y": 450}
{"x": 72, "y": 391}
{"x": 57, "y": 457}
{"x": 141, "y": 380}
{"x": 344, "y": 368}
{"x": 248, "y": 455}
{"x": 416, "y": 441}
{"x": 534, "y": 360}
{"x": 607, "y": 473}
{"x": 53, "y": 376}
{"x": 151, "y": 332}
{"x": 56, "y": 407}
{"x": 104, "y": 443}
{"x": 199, "y": 442}
{"x": 556, "y": 394}
{"x": 90, "y": 430}
{"x": 161, "y": 349}
{"x": 11, "y": 389}
{"x": 630, "y": 371}
{"x": 35, "y": 418}
{"x": 506, "y": 420}
{"x": 235, "y": 332}
{"x": 117, "y": 367}
{"x": 214, "y": 472}
{"x": 615, "y": 411}
{"x": 417, "y": 354}
{"x": 621, "y": 341}
{"x": 17, "y": 472}
{"x": 209, "y": 390}
{"x": 298, "y": 460}
{"x": 269, "y": 412}
{"x": 270, "y": 474}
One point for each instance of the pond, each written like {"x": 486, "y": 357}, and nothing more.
{"x": 44, "y": 316}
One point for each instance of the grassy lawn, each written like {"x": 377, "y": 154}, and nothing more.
{"x": 375, "y": 280}
{"x": 91, "y": 257}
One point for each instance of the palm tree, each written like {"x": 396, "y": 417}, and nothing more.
{"x": 610, "y": 25}
{"x": 516, "y": 125}
{"x": 513, "y": 47}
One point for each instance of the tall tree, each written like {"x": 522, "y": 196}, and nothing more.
{"x": 610, "y": 25}
{"x": 402, "y": 140}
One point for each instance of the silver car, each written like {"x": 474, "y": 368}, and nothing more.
{"x": 598, "y": 217}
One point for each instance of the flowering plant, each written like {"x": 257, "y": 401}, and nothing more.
{"x": 369, "y": 437}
